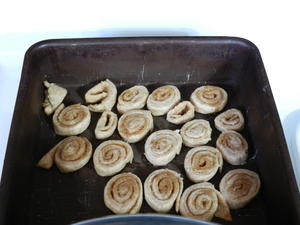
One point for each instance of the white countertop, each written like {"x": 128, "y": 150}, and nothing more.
{"x": 272, "y": 27}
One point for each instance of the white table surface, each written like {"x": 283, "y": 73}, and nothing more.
{"x": 271, "y": 25}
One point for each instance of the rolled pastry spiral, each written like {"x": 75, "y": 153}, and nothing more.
{"x": 102, "y": 96}
{"x": 106, "y": 125}
{"x": 69, "y": 155}
{"x": 110, "y": 157}
{"x": 162, "y": 99}
{"x": 202, "y": 163}
{"x": 162, "y": 189}
{"x": 72, "y": 120}
{"x": 195, "y": 133}
{"x": 223, "y": 210}
{"x": 202, "y": 201}
{"x": 239, "y": 187}
{"x": 54, "y": 96}
{"x": 181, "y": 113}
{"x": 209, "y": 99}
{"x": 132, "y": 98}
{"x": 134, "y": 125}
{"x": 162, "y": 146}
{"x": 123, "y": 194}
{"x": 233, "y": 146}
{"x": 231, "y": 119}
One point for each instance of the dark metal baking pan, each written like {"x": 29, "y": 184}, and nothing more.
{"x": 30, "y": 195}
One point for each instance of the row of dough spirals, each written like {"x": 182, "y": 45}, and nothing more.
{"x": 163, "y": 189}
{"x": 110, "y": 157}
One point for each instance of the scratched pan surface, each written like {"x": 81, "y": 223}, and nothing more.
{"x": 30, "y": 195}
